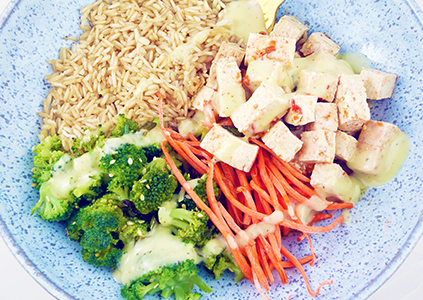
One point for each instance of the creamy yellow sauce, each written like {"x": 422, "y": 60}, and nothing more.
{"x": 145, "y": 255}
{"x": 264, "y": 69}
{"x": 253, "y": 231}
{"x": 138, "y": 139}
{"x": 182, "y": 51}
{"x": 321, "y": 62}
{"x": 245, "y": 17}
{"x": 73, "y": 174}
{"x": 383, "y": 167}
{"x": 356, "y": 60}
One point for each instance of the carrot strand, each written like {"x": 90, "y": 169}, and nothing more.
{"x": 336, "y": 206}
{"x": 298, "y": 265}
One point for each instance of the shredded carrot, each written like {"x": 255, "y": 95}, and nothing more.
{"x": 276, "y": 264}
{"x": 232, "y": 199}
{"x": 319, "y": 217}
{"x": 267, "y": 182}
{"x": 290, "y": 168}
{"x": 303, "y": 187}
{"x": 255, "y": 266}
{"x": 264, "y": 262}
{"x": 336, "y": 206}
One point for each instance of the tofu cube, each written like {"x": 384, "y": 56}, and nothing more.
{"x": 230, "y": 149}
{"x": 379, "y": 85}
{"x": 205, "y": 94}
{"x": 322, "y": 85}
{"x": 231, "y": 93}
{"x": 256, "y": 115}
{"x": 264, "y": 69}
{"x": 302, "y": 109}
{"x": 353, "y": 110}
{"x": 280, "y": 139}
{"x": 345, "y": 146}
{"x": 378, "y": 149}
{"x": 227, "y": 51}
{"x": 326, "y": 117}
{"x": 319, "y": 42}
{"x": 278, "y": 48}
{"x": 291, "y": 27}
{"x": 318, "y": 146}
{"x": 331, "y": 182}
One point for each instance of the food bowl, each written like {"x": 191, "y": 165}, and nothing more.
{"x": 359, "y": 255}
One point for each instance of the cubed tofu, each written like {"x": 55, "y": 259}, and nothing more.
{"x": 345, "y": 146}
{"x": 379, "y": 85}
{"x": 231, "y": 93}
{"x": 291, "y": 27}
{"x": 280, "y": 139}
{"x": 353, "y": 110}
{"x": 267, "y": 104}
{"x": 382, "y": 148}
{"x": 264, "y": 69}
{"x": 331, "y": 182}
{"x": 230, "y": 149}
{"x": 278, "y": 48}
{"x": 326, "y": 117}
{"x": 318, "y": 146}
{"x": 227, "y": 51}
{"x": 319, "y": 42}
{"x": 302, "y": 109}
{"x": 322, "y": 85}
{"x": 205, "y": 94}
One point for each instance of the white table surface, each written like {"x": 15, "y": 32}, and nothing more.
{"x": 17, "y": 284}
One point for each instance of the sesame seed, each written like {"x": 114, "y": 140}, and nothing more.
{"x": 130, "y": 161}
{"x": 112, "y": 161}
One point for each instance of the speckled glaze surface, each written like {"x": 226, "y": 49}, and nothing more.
{"x": 358, "y": 256}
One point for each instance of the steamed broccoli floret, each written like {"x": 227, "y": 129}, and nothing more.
{"x": 96, "y": 228}
{"x": 191, "y": 226}
{"x": 178, "y": 279}
{"x": 123, "y": 167}
{"x": 48, "y": 152}
{"x": 52, "y": 208}
{"x": 153, "y": 151}
{"x": 217, "y": 259}
{"x": 155, "y": 187}
{"x": 134, "y": 230}
{"x": 72, "y": 179}
{"x": 89, "y": 140}
{"x": 199, "y": 186}
{"x": 124, "y": 126}
{"x": 218, "y": 264}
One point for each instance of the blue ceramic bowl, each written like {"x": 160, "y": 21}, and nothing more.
{"x": 359, "y": 256}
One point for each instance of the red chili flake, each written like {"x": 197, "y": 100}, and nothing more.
{"x": 247, "y": 80}
{"x": 297, "y": 111}
{"x": 271, "y": 47}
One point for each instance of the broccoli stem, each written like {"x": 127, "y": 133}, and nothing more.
{"x": 182, "y": 214}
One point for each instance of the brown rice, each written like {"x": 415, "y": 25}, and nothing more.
{"x": 124, "y": 57}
